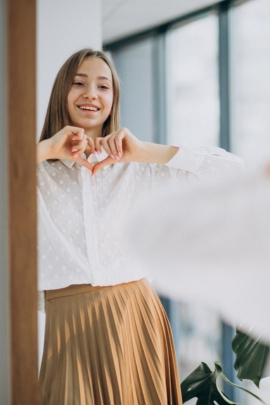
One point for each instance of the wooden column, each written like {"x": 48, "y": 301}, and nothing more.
{"x": 22, "y": 200}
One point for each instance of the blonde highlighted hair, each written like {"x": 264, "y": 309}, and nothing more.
{"x": 57, "y": 114}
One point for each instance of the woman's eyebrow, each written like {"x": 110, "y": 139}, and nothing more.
{"x": 104, "y": 78}
{"x": 81, "y": 74}
{"x": 99, "y": 77}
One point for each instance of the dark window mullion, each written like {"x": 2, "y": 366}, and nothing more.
{"x": 224, "y": 86}
{"x": 224, "y": 76}
{"x": 159, "y": 87}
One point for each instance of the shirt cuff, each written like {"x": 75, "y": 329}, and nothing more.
{"x": 187, "y": 159}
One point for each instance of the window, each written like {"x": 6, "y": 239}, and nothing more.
{"x": 134, "y": 64}
{"x": 175, "y": 90}
{"x": 192, "y": 83}
{"x": 250, "y": 80}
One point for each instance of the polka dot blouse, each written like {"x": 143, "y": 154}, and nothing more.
{"x": 82, "y": 217}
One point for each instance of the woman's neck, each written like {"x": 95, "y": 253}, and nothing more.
{"x": 93, "y": 132}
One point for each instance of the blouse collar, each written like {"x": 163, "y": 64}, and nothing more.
{"x": 93, "y": 158}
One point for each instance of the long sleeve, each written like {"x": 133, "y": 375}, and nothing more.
{"x": 206, "y": 161}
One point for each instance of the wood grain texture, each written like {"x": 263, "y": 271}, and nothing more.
{"x": 22, "y": 200}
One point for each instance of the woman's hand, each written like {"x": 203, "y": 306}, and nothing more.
{"x": 121, "y": 146}
{"x": 67, "y": 144}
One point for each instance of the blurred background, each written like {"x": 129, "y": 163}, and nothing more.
{"x": 201, "y": 78}
{"x": 193, "y": 72}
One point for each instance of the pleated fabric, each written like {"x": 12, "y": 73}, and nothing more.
{"x": 108, "y": 346}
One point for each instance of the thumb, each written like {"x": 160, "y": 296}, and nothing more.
{"x": 103, "y": 163}
{"x": 84, "y": 162}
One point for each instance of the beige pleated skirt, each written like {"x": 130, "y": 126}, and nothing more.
{"x": 108, "y": 346}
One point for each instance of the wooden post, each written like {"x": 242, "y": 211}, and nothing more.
{"x": 22, "y": 200}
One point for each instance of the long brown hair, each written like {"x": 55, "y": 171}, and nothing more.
{"x": 57, "y": 114}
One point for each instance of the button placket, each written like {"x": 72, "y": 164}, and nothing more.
{"x": 90, "y": 220}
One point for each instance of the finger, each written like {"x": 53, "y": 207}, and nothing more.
{"x": 111, "y": 142}
{"x": 103, "y": 163}
{"x": 98, "y": 145}
{"x": 91, "y": 144}
{"x": 76, "y": 139}
{"x": 77, "y": 143}
{"x": 76, "y": 133}
{"x": 79, "y": 149}
{"x": 119, "y": 144}
{"x": 84, "y": 162}
{"x": 104, "y": 143}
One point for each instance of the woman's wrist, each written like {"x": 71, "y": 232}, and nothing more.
{"x": 155, "y": 153}
{"x": 44, "y": 150}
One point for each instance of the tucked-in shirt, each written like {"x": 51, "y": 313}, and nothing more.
{"x": 82, "y": 216}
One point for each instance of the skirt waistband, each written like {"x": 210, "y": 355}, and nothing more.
{"x": 75, "y": 289}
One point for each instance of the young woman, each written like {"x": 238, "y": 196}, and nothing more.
{"x": 107, "y": 339}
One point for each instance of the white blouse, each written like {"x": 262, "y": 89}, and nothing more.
{"x": 81, "y": 217}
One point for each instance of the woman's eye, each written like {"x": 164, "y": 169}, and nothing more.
{"x": 103, "y": 87}
{"x": 78, "y": 83}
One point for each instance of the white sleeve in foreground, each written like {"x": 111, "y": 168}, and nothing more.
{"x": 211, "y": 243}
{"x": 202, "y": 161}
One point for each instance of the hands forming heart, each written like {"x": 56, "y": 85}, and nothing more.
{"x": 71, "y": 142}
{"x": 120, "y": 146}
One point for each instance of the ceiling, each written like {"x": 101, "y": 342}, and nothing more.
{"x": 121, "y": 18}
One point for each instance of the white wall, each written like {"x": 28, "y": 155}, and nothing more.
{"x": 64, "y": 27}
{"x": 4, "y": 285}
{"x": 123, "y": 18}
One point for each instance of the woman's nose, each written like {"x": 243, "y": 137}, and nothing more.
{"x": 90, "y": 92}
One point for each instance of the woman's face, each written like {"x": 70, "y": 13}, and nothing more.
{"x": 90, "y": 98}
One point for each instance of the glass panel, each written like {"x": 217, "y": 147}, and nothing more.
{"x": 250, "y": 80}
{"x": 193, "y": 120}
{"x": 250, "y": 100}
{"x": 199, "y": 337}
{"x": 192, "y": 82}
{"x": 134, "y": 66}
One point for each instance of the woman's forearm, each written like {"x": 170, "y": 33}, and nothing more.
{"x": 155, "y": 153}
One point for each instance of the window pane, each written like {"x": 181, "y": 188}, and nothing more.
{"x": 199, "y": 337}
{"x": 250, "y": 80}
{"x": 134, "y": 66}
{"x": 193, "y": 119}
{"x": 250, "y": 101}
{"x": 192, "y": 79}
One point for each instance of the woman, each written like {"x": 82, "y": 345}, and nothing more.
{"x": 107, "y": 338}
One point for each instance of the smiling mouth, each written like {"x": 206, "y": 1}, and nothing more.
{"x": 87, "y": 108}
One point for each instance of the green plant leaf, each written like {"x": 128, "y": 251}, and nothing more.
{"x": 202, "y": 384}
{"x": 241, "y": 388}
{"x": 251, "y": 357}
